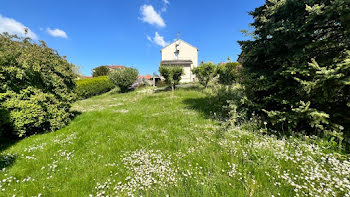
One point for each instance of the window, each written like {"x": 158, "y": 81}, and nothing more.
{"x": 176, "y": 54}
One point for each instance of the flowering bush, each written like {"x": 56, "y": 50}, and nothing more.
{"x": 123, "y": 77}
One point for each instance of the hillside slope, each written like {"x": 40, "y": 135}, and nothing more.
{"x": 159, "y": 144}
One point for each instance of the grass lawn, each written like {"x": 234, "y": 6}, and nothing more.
{"x": 165, "y": 144}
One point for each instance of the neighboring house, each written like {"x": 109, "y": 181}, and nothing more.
{"x": 181, "y": 53}
{"x": 156, "y": 78}
{"x": 143, "y": 80}
{"x": 147, "y": 77}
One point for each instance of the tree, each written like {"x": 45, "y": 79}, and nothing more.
{"x": 296, "y": 70}
{"x": 36, "y": 87}
{"x": 100, "y": 71}
{"x": 123, "y": 77}
{"x": 228, "y": 72}
{"x": 205, "y": 72}
{"x": 172, "y": 75}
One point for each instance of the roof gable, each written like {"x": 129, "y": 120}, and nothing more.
{"x": 181, "y": 41}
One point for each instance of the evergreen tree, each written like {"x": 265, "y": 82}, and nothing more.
{"x": 297, "y": 69}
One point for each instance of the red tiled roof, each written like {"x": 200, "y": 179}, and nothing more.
{"x": 145, "y": 76}
{"x": 148, "y": 76}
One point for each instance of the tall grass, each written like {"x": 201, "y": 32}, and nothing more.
{"x": 166, "y": 144}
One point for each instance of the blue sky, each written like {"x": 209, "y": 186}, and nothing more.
{"x": 130, "y": 32}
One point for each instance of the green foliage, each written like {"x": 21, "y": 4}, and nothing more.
{"x": 93, "y": 86}
{"x": 297, "y": 69}
{"x": 77, "y": 71}
{"x": 161, "y": 83}
{"x": 228, "y": 72}
{"x": 228, "y": 101}
{"x": 100, "y": 71}
{"x": 36, "y": 87}
{"x": 172, "y": 75}
{"x": 205, "y": 72}
{"x": 123, "y": 77}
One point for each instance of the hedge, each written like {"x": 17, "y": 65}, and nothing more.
{"x": 93, "y": 86}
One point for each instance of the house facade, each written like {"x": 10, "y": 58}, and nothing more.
{"x": 181, "y": 53}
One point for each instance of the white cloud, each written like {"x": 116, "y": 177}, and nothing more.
{"x": 57, "y": 33}
{"x": 12, "y": 26}
{"x": 165, "y": 6}
{"x": 149, "y": 38}
{"x": 149, "y": 15}
{"x": 158, "y": 39}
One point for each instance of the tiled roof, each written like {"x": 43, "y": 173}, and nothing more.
{"x": 145, "y": 76}
{"x": 148, "y": 76}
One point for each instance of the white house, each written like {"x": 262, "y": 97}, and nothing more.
{"x": 182, "y": 54}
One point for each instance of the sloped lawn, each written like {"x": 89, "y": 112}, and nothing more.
{"x": 165, "y": 144}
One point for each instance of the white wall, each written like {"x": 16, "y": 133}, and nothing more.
{"x": 186, "y": 52}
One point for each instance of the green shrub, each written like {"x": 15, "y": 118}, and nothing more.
{"x": 123, "y": 77}
{"x": 100, "y": 71}
{"x": 36, "y": 87}
{"x": 93, "y": 86}
{"x": 228, "y": 101}
{"x": 297, "y": 69}
{"x": 228, "y": 73}
{"x": 205, "y": 72}
{"x": 161, "y": 84}
{"x": 172, "y": 75}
